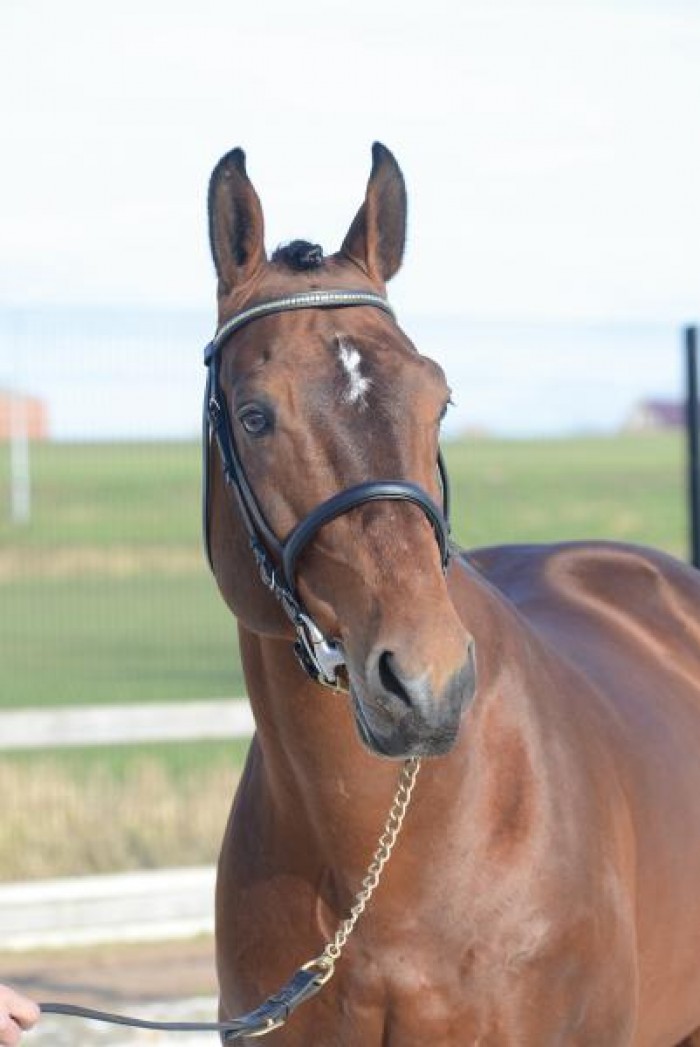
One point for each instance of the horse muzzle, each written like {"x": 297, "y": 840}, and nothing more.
{"x": 401, "y": 714}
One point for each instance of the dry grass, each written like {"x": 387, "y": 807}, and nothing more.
{"x": 97, "y": 562}
{"x": 58, "y": 823}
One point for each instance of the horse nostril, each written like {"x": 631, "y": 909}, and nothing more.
{"x": 390, "y": 681}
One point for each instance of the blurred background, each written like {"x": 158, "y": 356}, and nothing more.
{"x": 552, "y": 162}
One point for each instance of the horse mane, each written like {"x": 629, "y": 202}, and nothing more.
{"x": 299, "y": 255}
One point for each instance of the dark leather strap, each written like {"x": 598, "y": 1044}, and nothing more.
{"x": 344, "y": 501}
{"x": 255, "y": 523}
{"x": 273, "y": 1013}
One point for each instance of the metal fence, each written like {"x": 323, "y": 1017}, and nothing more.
{"x": 105, "y": 599}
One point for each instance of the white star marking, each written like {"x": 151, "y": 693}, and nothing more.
{"x": 358, "y": 385}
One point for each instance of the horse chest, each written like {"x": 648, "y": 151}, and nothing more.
{"x": 493, "y": 965}
{"x": 432, "y": 989}
{"x": 455, "y": 1006}
{"x": 412, "y": 1006}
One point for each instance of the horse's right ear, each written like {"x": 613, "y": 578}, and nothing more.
{"x": 236, "y": 227}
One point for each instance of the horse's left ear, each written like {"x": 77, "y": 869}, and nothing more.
{"x": 377, "y": 235}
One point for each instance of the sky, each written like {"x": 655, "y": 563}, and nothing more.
{"x": 551, "y": 149}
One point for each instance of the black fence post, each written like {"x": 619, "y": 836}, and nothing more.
{"x": 693, "y": 431}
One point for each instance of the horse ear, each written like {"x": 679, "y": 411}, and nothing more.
{"x": 377, "y": 235}
{"x": 236, "y": 226}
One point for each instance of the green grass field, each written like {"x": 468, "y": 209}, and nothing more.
{"x": 134, "y": 639}
{"x": 105, "y": 597}
{"x": 628, "y": 488}
{"x": 102, "y": 495}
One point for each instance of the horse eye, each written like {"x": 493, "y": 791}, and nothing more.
{"x": 254, "y": 421}
{"x": 446, "y": 406}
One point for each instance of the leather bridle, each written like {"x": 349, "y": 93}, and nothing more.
{"x": 277, "y": 558}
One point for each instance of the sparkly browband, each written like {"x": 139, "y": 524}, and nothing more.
{"x": 304, "y": 300}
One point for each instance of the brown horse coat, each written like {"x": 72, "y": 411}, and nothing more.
{"x": 546, "y": 888}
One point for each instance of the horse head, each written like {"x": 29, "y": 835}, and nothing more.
{"x": 319, "y": 402}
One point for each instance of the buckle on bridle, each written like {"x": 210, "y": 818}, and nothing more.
{"x": 319, "y": 657}
{"x": 214, "y": 412}
{"x": 265, "y": 568}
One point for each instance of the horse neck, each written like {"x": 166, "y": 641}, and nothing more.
{"x": 312, "y": 758}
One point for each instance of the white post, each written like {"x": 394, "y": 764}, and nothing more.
{"x": 20, "y": 480}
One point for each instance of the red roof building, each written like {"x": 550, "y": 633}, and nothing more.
{"x": 20, "y": 414}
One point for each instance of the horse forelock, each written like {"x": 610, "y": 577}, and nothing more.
{"x": 299, "y": 255}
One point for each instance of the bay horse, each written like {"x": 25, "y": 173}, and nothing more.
{"x": 546, "y": 888}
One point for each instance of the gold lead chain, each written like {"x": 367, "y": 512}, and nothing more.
{"x": 310, "y": 978}
{"x": 331, "y": 954}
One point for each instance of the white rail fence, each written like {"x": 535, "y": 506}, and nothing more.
{"x": 124, "y": 907}
{"x": 125, "y": 724}
{"x": 133, "y": 906}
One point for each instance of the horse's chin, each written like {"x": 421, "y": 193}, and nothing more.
{"x": 400, "y": 741}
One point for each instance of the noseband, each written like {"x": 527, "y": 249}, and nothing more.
{"x": 320, "y": 658}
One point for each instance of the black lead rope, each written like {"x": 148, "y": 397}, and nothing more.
{"x": 271, "y": 1014}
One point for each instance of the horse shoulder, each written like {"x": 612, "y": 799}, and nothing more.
{"x": 627, "y": 621}
{"x": 580, "y": 592}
